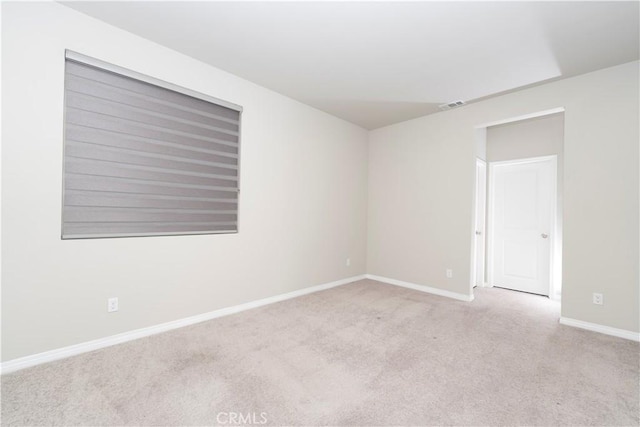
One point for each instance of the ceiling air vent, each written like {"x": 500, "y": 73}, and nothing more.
{"x": 450, "y": 105}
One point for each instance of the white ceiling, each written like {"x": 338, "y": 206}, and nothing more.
{"x": 378, "y": 63}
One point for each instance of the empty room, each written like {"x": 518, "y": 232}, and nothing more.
{"x": 320, "y": 213}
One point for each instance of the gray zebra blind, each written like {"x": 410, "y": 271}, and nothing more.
{"x": 143, "y": 157}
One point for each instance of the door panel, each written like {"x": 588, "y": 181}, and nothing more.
{"x": 522, "y": 218}
{"x": 520, "y": 199}
{"x": 520, "y": 259}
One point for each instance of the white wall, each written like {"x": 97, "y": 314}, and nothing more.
{"x": 421, "y": 184}
{"x": 535, "y": 137}
{"x": 302, "y": 204}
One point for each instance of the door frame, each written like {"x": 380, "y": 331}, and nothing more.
{"x": 475, "y": 217}
{"x": 554, "y": 222}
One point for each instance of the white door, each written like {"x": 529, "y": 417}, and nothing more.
{"x": 481, "y": 205}
{"x": 522, "y": 220}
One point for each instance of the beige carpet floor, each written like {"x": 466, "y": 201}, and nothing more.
{"x": 362, "y": 354}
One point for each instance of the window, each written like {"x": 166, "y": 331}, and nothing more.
{"x": 143, "y": 157}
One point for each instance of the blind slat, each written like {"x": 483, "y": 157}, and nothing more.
{"x": 94, "y": 183}
{"x": 81, "y": 198}
{"x": 104, "y": 91}
{"x": 144, "y": 126}
{"x": 140, "y": 114}
{"x": 113, "y": 139}
{"x": 110, "y": 126}
{"x": 114, "y": 170}
{"x": 105, "y": 214}
{"x": 99, "y": 230}
{"x": 96, "y": 74}
{"x": 134, "y": 157}
{"x": 81, "y": 164}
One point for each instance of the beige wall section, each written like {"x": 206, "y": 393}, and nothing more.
{"x": 535, "y": 137}
{"x": 539, "y": 136}
{"x": 302, "y": 204}
{"x": 421, "y": 184}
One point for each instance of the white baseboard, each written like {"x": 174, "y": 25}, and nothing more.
{"x": 85, "y": 347}
{"x": 427, "y": 289}
{"x": 607, "y": 330}
{"x": 73, "y": 350}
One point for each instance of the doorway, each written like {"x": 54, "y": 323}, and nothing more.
{"x": 524, "y": 140}
{"x": 522, "y": 212}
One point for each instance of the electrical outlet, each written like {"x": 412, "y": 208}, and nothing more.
{"x": 449, "y": 273}
{"x": 597, "y": 298}
{"x": 112, "y": 305}
{"x": 348, "y": 262}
